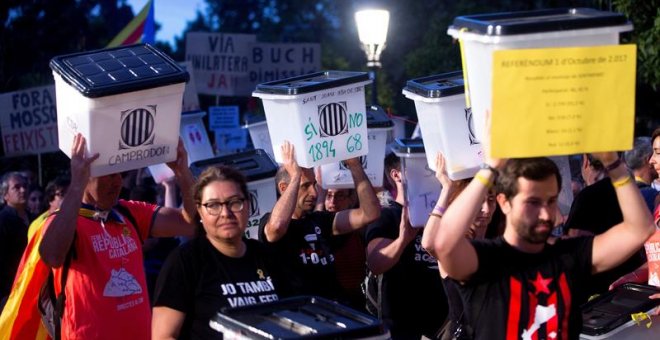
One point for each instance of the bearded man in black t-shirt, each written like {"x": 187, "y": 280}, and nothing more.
{"x": 517, "y": 286}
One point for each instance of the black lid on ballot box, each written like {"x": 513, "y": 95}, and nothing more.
{"x": 377, "y": 118}
{"x": 118, "y": 70}
{"x": 612, "y": 309}
{"x": 254, "y": 164}
{"x": 437, "y": 86}
{"x": 538, "y": 21}
{"x": 312, "y": 82}
{"x": 299, "y": 317}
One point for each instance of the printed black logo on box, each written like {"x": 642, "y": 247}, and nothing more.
{"x": 333, "y": 119}
{"x": 137, "y": 127}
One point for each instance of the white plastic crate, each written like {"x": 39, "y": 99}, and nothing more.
{"x": 322, "y": 114}
{"x": 337, "y": 176}
{"x": 445, "y": 123}
{"x": 126, "y": 101}
{"x": 487, "y": 33}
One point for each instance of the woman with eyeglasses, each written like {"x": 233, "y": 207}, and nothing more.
{"x": 219, "y": 268}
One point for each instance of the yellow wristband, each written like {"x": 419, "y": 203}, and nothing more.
{"x": 435, "y": 215}
{"x": 621, "y": 182}
{"x": 483, "y": 180}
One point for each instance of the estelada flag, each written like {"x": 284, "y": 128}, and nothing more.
{"x": 139, "y": 30}
{"x": 20, "y": 317}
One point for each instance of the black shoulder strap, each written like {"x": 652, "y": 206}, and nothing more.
{"x": 127, "y": 213}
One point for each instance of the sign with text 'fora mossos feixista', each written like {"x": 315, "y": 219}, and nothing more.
{"x": 230, "y": 64}
{"x": 28, "y": 121}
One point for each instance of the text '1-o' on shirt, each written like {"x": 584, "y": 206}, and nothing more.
{"x": 306, "y": 252}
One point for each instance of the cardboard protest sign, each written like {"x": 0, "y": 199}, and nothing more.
{"x": 271, "y": 61}
{"x": 228, "y": 64}
{"x": 220, "y": 62}
{"x": 28, "y": 121}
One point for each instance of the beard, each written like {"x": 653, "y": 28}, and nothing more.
{"x": 530, "y": 234}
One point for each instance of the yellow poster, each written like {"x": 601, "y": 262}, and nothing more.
{"x": 559, "y": 101}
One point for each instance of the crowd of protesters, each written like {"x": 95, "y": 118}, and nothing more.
{"x": 162, "y": 259}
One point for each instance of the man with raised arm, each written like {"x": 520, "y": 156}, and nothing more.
{"x": 304, "y": 238}
{"x": 106, "y": 291}
{"x": 517, "y": 286}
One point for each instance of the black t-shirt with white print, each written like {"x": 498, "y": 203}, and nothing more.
{"x": 412, "y": 287}
{"x": 306, "y": 252}
{"x": 517, "y": 295}
{"x": 198, "y": 280}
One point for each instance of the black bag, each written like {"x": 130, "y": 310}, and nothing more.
{"x": 372, "y": 289}
{"x": 51, "y": 305}
{"x": 453, "y": 330}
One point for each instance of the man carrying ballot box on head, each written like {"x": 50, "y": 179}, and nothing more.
{"x": 517, "y": 286}
{"x": 101, "y": 239}
{"x": 304, "y": 238}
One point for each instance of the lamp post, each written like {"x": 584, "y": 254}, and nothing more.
{"x": 372, "y": 29}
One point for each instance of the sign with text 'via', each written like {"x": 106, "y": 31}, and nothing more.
{"x": 227, "y": 64}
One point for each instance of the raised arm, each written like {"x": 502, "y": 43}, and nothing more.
{"x": 384, "y": 253}
{"x": 457, "y": 254}
{"x": 171, "y": 221}
{"x": 59, "y": 233}
{"x": 624, "y": 239}
{"x": 433, "y": 223}
{"x": 322, "y": 193}
{"x": 166, "y": 323}
{"x": 369, "y": 209}
{"x": 278, "y": 223}
{"x": 170, "y": 194}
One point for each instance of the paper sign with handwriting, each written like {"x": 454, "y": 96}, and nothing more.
{"x": 559, "y": 101}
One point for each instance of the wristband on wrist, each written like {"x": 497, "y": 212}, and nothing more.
{"x": 614, "y": 165}
{"x": 621, "y": 182}
{"x": 435, "y": 215}
{"x": 440, "y": 210}
{"x": 483, "y": 180}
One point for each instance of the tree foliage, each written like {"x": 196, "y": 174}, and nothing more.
{"x": 418, "y": 45}
{"x": 35, "y": 31}
{"x": 645, "y": 16}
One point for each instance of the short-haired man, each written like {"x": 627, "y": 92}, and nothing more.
{"x": 106, "y": 292}
{"x": 340, "y": 199}
{"x": 304, "y": 237}
{"x": 14, "y": 222}
{"x": 518, "y": 286}
{"x": 409, "y": 274}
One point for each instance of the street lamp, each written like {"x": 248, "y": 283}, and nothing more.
{"x": 372, "y": 30}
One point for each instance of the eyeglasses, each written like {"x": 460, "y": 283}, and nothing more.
{"x": 214, "y": 208}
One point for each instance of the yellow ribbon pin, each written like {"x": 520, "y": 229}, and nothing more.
{"x": 641, "y": 316}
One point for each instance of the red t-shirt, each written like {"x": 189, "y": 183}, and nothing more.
{"x": 106, "y": 291}
{"x": 652, "y": 247}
